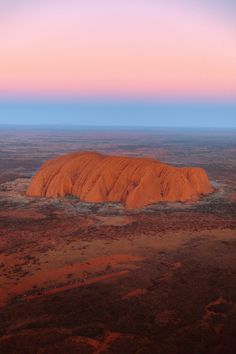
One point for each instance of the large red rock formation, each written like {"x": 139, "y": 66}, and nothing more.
{"x": 135, "y": 182}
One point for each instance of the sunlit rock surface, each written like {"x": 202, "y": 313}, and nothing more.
{"x": 136, "y": 182}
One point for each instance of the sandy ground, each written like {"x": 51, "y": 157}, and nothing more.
{"x": 93, "y": 278}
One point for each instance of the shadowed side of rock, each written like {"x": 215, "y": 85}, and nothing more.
{"x": 135, "y": 182}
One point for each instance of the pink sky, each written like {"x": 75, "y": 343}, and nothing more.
{"x": 126, "y": 48}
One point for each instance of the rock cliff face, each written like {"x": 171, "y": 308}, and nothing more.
{"x": 135, "y": 182}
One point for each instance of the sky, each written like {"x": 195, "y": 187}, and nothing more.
{"x": 124, "y": 114}
{"x": 127, "y": 50}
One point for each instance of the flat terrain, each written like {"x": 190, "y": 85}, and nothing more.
{"x": 96, "y": 278}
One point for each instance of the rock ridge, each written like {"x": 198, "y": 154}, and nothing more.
{"x": 135, "y": 182}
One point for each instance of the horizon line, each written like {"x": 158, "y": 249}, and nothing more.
{"x": 23, "y": 125}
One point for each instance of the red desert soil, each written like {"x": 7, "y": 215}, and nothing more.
{"x": 233, "y": 197}
{"x": 114, "y": 220}
{"x": 48, "y": 275}
{"x": 22, "y": 214}
{"x": 135, "y": 182}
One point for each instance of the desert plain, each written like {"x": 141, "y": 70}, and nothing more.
{"x": 80, "y": 277}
